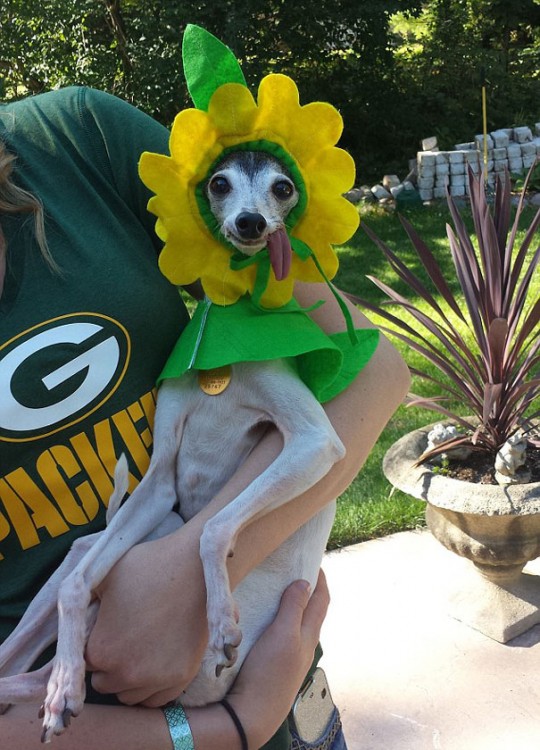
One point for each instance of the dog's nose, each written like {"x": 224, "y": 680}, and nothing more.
{"x": 250, "y": 226}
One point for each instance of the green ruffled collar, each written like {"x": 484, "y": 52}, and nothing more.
{"x": 223, "y": 335}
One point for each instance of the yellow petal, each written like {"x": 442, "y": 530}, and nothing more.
{"x": 228, "y": 287}
{"x": 193, "y": 136}
{"x": 151, "y": 168}
{"x": 333, "y": 223}
{"x": 232, "y": 110}
{"x": 302, "y": 130}
{"x": 278, "y": 293}
{"x": 181, "y": 268}
{"x": 318, "y": 126}
{"x": 277, "y": 97}
{"x": 161, "y": 176}
{"x": 279, "y": 105}
{"x": 333, "y": 172}
{"x": 188, "y": 242}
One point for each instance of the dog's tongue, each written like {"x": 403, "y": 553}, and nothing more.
{"x": 279, "y": 250}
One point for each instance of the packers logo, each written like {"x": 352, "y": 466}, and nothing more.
{"x": 59, "y": 372}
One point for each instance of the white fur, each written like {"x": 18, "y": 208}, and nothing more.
{"x": 199, "y": 442}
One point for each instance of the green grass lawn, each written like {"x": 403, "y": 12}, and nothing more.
{"x": 369, "y": 508}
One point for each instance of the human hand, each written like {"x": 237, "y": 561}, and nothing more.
{"x": 276, "y": 666}
{"x": 150, "y": 634}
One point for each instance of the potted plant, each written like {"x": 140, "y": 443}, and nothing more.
{"x": 485, "y": 344}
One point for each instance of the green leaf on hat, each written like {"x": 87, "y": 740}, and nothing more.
{"x": 208, "y": 64}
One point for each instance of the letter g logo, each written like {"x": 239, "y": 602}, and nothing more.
{"x": 56, "y": 374}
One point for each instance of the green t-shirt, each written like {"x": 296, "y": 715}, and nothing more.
{"x": 81, "y": 348}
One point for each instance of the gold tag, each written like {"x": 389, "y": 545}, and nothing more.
{"x": 213, "y": 382}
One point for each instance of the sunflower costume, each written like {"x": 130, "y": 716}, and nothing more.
{"x": 248, "y": 314}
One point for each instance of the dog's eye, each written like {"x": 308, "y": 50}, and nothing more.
{"x": 283, "y": 189}
{"x": 219, "y": 185}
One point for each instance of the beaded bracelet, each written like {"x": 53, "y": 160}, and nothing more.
{"x": 179, "y": 730}
{"x": 237, "y": 723}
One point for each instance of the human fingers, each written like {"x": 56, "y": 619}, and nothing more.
{"x": 294, "y": 601}
{"x": 142, "y": 698}
{"x": 316, "y": 608}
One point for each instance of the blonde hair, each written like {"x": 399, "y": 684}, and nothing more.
{"x": 16, "y": 200}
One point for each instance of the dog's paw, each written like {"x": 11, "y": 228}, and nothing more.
{"x": 54, "y": 724}
{"x": 65, "y": 698}
{"x": 225, "y": 637}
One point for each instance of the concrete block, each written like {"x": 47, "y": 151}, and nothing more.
{"x": 528, "y": 160}
{"x": 442, "y": 169}
{"x": 396, "y": 190}
{"x": 380, "y": 192}
{"x": 458, "y": 168}
{"x": 428, "y": 172}
{"x": 515, "y": 165}
{"x": 537, "y": 128}
{"x": 465, "y": 146}
{"x": 528, "y": 148}
{"x": 429, "y": 144}
{"x": 456, "y": 190}
{"x": 425, "y": 183}
{"x": 390, "y": 181}
{"x": 426, "y": 194}
{"x": 355, "y": 195}
{"x": 500, "y": 138}
{"x": 441, "y": 158}
{"x": 456, "y": 157}
{"x": 514, "y": 151}
{"x": 500, "y": 153}
{"x": 522, "y": 135}
{"x": 458, "y": 179}
{"x": 439, "y": 192}
{"x": 479, "y": 140}
{"x": 473, "y": 157}
{"x": 407, "y": 184}
{"x": 499, "y": 165}
{"x": 442, "y": 181}
{"x": 426, "y": 159}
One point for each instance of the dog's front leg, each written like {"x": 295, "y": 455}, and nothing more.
{"x": 25, "y": 688}
{"x": 147, "y": 506}
{"x": 38, "y": 626}
{"x": 311, "y": 447}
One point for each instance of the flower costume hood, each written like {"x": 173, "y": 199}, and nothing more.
{"x": 243, "y": 295}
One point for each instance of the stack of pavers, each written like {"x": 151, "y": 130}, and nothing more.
{"x": 512, "y": 149}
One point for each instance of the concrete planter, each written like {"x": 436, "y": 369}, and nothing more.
{"x": 497, "y": 528}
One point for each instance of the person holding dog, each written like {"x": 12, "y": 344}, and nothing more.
{"x": 82, "y": 299}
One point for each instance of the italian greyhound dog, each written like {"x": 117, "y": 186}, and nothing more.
{"x": 200, "y": 440}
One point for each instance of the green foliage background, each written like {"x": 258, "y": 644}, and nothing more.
{"x": 398, "y": 70}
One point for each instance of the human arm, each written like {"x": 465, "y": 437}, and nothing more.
{"x": 142, "y": 667}
{"x": 261, "y": 696}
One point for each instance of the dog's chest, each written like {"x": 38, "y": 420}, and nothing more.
{"x": 220, "y": 430}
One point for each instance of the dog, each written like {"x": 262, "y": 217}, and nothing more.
{"x": 250, "y": 195}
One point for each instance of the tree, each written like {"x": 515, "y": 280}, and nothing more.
{"x": 336, "y": 50}
{"x": 467, "y": 40}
